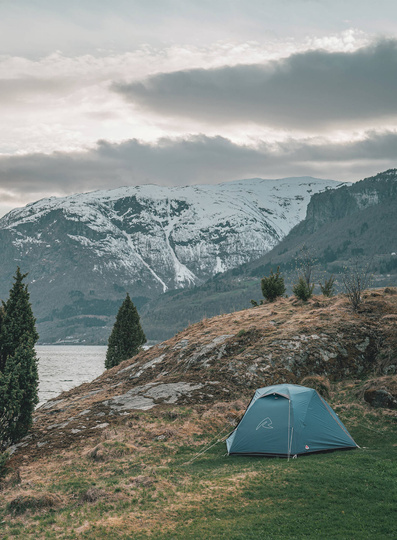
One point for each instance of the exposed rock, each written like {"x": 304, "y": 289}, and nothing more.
{"x": 226, "y": 358}
{"x": 101, "y": 426}
{"x": 380, "y": 398}
{"x": 381, "y": 392}
{"x": 131, "y": 400}
{"x": 169, "y": 393}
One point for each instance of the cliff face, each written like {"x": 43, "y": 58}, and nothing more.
{"x": 329, "y": 206}
{"x": 225, "y": 359}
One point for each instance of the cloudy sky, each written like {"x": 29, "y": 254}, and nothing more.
{"x": 103, "y": 93}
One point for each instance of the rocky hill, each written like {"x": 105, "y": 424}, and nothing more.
{"x": 351, "y": 223}
{"x": 84, "y": 252}
{"x": 225, "y": 359}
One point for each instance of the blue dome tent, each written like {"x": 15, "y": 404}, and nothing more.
{"x": 286, "y": 420}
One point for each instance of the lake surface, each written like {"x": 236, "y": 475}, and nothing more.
{"x": 64, "y": 367}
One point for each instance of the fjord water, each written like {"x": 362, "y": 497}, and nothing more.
{"x": 62, "y": 367}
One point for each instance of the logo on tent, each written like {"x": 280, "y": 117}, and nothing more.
{"x": 265, "y": 423}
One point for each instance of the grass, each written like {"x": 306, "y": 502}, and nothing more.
{"x": 158, "y": 492}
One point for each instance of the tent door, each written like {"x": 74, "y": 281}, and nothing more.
{"x": 278, "y": 409}
{"x": 266, "y": 428}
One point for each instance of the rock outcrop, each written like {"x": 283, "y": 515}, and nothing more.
{"x": 381, "y": 392}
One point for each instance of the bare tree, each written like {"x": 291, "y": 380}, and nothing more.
{"x": 356, "y": 279}
{"x": 305, "y": 263}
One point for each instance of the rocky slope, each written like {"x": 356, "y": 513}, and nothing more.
{"x": 84, "y": 252}
{"x": 224, "y": 359}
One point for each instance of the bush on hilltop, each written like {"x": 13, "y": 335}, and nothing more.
{"x": 273, "y": 286}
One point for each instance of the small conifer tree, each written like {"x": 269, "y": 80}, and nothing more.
{"x": 273, "y": 286}
{"x": 127, "y": 335}
{"x": 328, "y": 288}
{"x": 17, "y": 321}
{"x": 302, "y": 290}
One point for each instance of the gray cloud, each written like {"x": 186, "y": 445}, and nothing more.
{"x": 314, "y": 89}
{"x": 198, "y": 159}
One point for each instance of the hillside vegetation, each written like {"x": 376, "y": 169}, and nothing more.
{"x": 140, "y": 451}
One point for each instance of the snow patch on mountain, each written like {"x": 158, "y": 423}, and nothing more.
{"x": 173, "y": 237}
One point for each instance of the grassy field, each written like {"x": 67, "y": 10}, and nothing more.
{"x": 139, "y": 481}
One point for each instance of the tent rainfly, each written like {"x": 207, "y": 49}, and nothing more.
{"x": 287, "y": 420}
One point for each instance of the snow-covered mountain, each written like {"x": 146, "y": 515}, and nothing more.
{"x": 93, "y": 247}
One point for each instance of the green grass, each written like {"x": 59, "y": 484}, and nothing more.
{"x": 343, "y": 495}
{"x": 346, "y": 495}
{"x": 340, "y": 495}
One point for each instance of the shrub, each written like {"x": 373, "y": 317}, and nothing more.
{"x": 305, "y": 264}
{"x": 356, "y": 280}
{"x": 302, "y": 290}
{"x": 328, "y": 288}
{"x": 273, "y": 286}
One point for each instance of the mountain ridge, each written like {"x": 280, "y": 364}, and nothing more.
{"x": 84, "y": 252}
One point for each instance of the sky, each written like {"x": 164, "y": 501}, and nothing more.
{"x": 97, "y": 94}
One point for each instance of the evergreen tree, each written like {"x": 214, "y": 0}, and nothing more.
{"x": 328, "y": 288}
{"x": 10, "y": 404}
{"x": 273, "y": 286}
{"x": 127, "y": 335}
{"x": 18, "y": 363}
{"x": 18, "y": 323}
{"x": 27, "y": 376}
{"x": 302, "y": 290}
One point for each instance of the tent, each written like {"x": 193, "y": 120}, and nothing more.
{"x": 286, "y": 420}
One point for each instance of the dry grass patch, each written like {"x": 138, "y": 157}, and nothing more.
{"x": 93, "y": 494}
{"x": 34, "y": 502}
{"x": 319, "y": 383}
